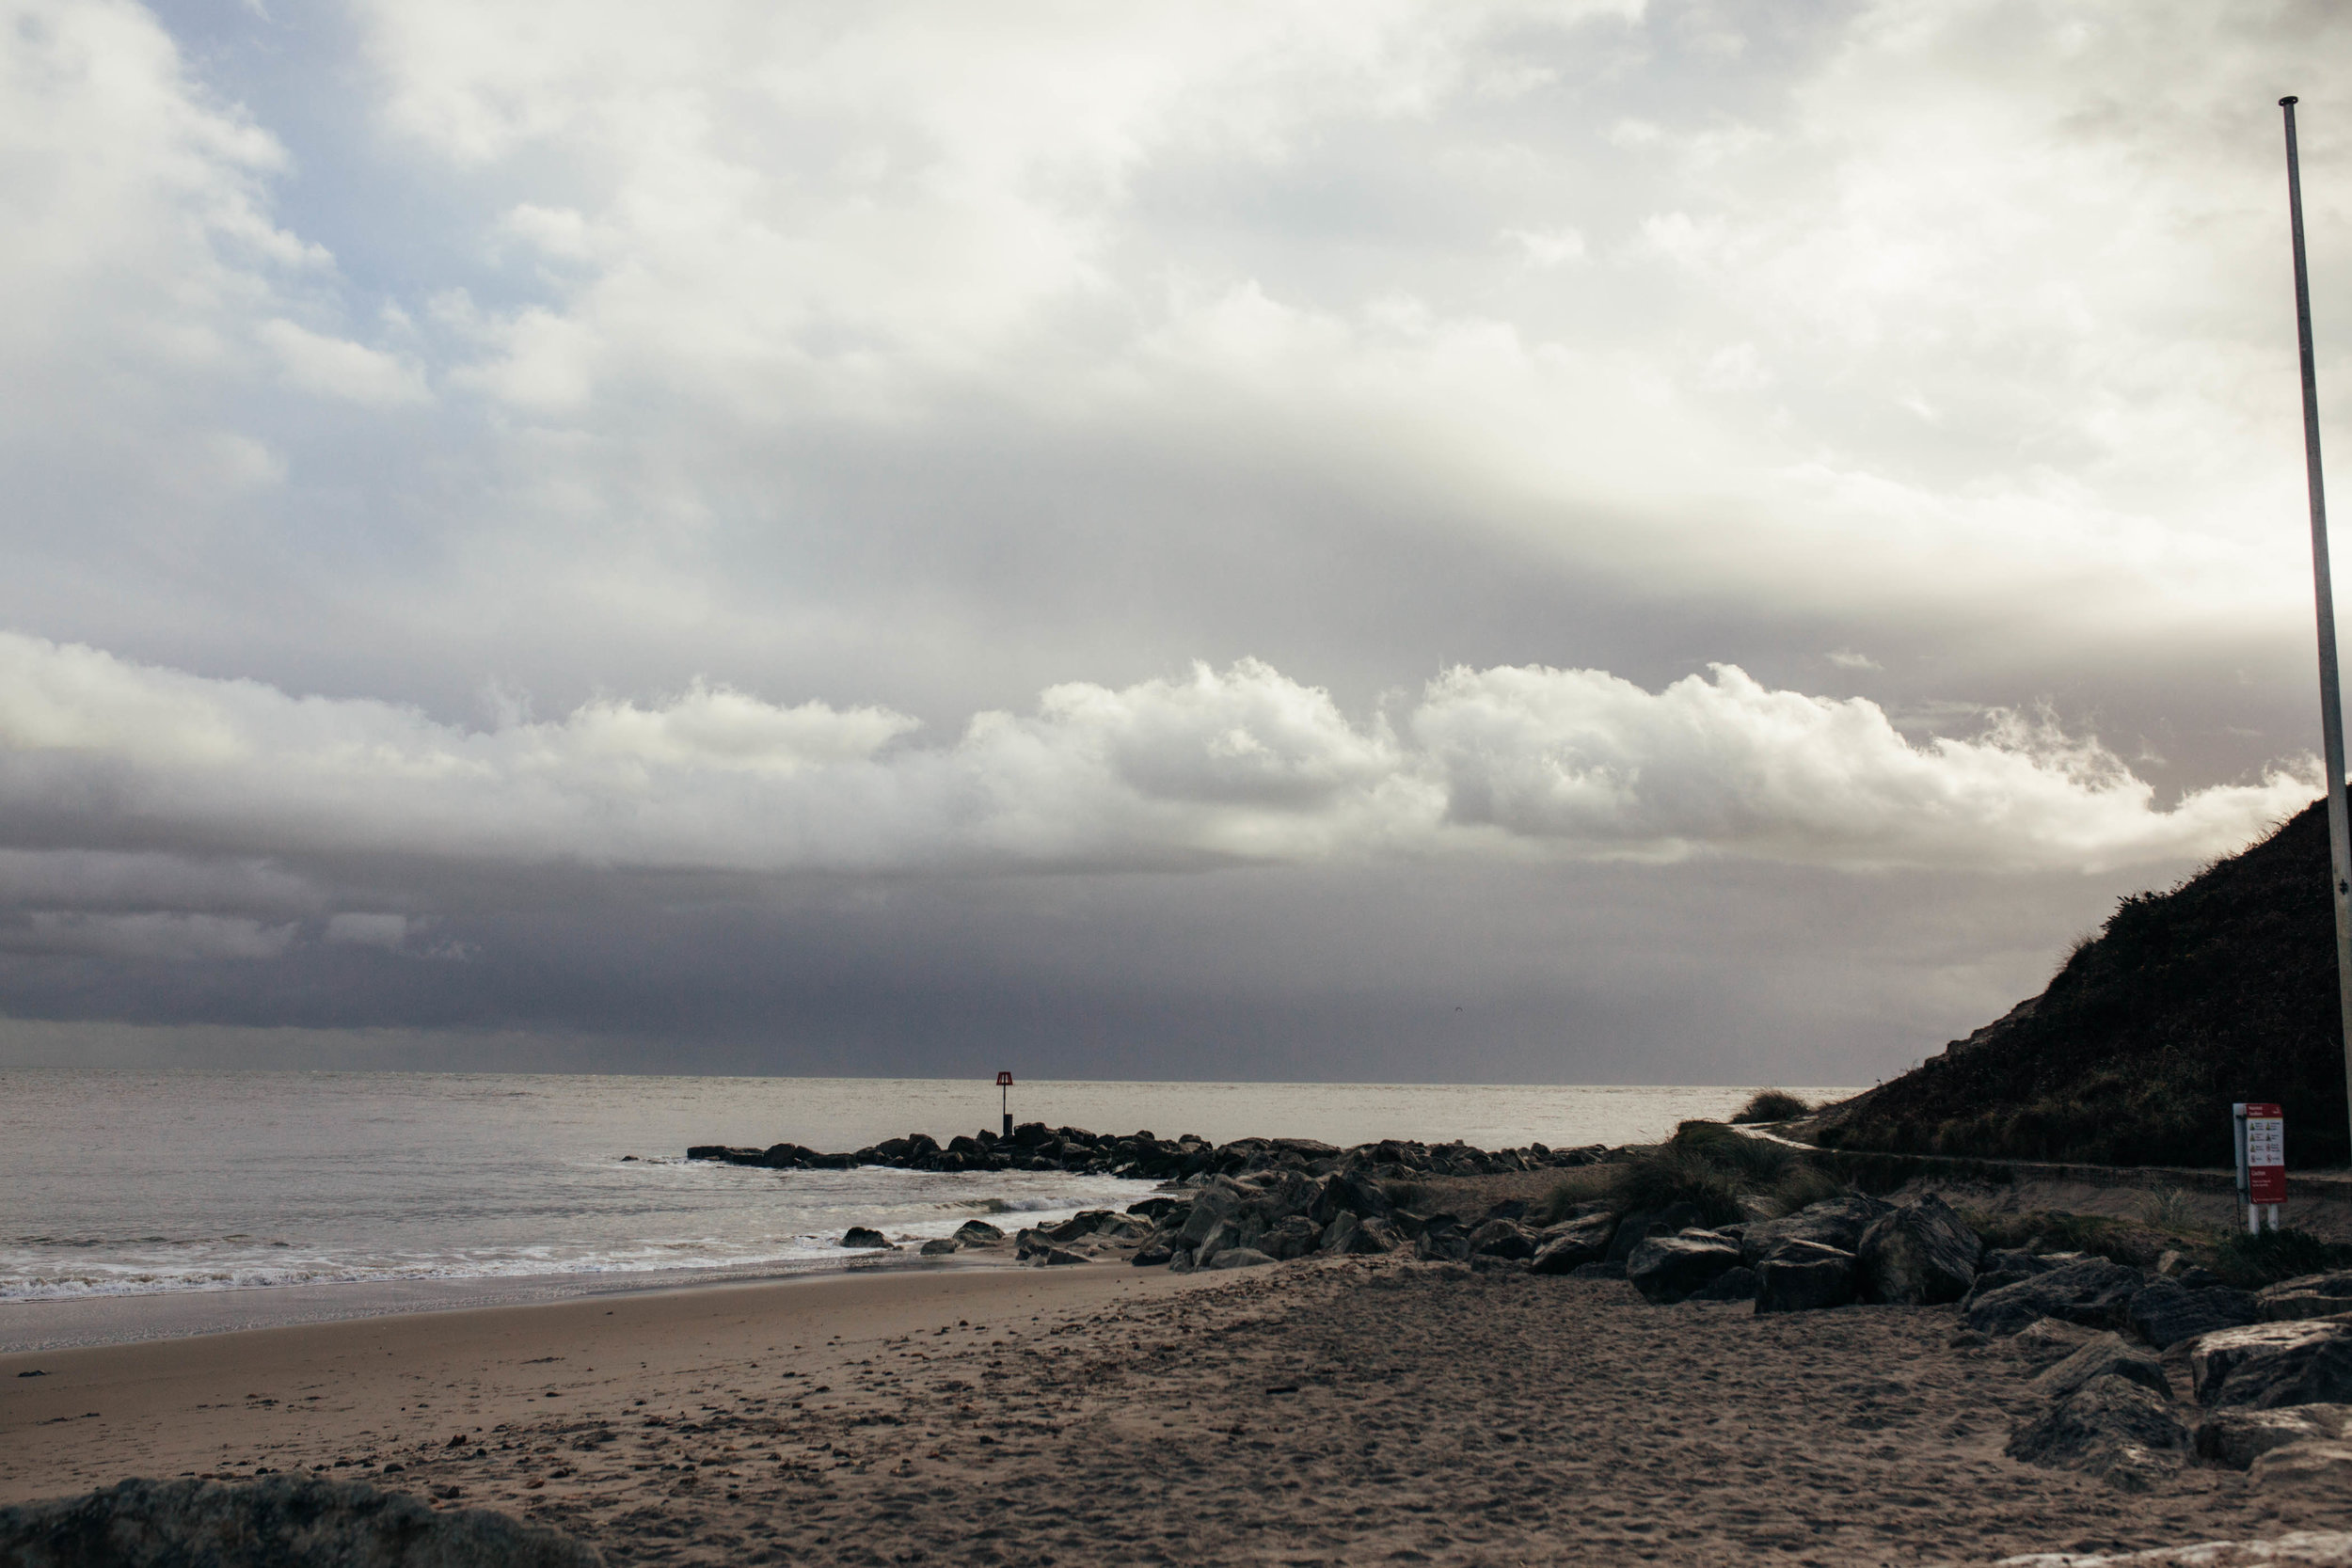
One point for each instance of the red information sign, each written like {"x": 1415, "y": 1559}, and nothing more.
{"x": 2265, "y": 1155}
{"x": 1004, "y": 1080}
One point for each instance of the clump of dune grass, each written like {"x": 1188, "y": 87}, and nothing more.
{"x": 1771, "y": 1105}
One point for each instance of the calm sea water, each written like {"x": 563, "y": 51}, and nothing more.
{"x": 116, "y": 1183}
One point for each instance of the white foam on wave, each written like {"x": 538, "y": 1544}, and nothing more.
{"x": 755, "y": 1222}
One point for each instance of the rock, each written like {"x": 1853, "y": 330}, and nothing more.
{"x": 1667, "y": 1269}
{"x": 1566, "y": 1246}
{"x": 278, "y": 1522}
{"x": 1836, "y": 1222}
{"x": 1347, "y": 1235}
{"x": 2268, "y": 1364}
{"x": 2314, "y": 1296}
{"x": 1346, "y": 1193}
{"x": 1294, "y": 1236}
{"x": 1639, "y": 1227}
{"x": 1220, "y": 1236}
{"x": 859, "y": 1236}
{"x": 2092, "y": 1292}
{"x": 1442, "y": 1239}
{"x": 939, "y": 1246}
{"x": 1501, "y": 1238}
{"x": 2238, "y": 1437}
{"x": 2319, "y": 1468}
{"x": 2166, "y": 1311}
{"x": 1737, "y": 1283}
{"x": 978, "y": 1234}
{"x": 2110, "y": 1427}
{"x": 1920, "y": 1255}
{"x": 1152, "y": 1254}
{"x": 1239, "y": 1258}
{"x": 1602, "y": 1270}
{"x": 1805, "y": 1277}
{"x": 1055, "y": 1256}
{"x": 2049, "y": 1340}
{"x": 1509, "y": 1209}
{"x": 2106, "y": 1355}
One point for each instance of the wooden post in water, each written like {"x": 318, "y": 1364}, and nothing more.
{"x": 2330, "y": 690}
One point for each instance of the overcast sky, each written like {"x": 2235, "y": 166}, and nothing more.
{"x": 1476, "y": 540}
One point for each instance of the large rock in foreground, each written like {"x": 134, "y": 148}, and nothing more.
{"x": 1805, "y": 1277}
{"x": 1836, "y": 1222}
{"x": 2112, "y": 1428}
{"x": 2314, "y": 1296}
{"x": 2166, "y": 1313}
{"x": 1921, "y": 1254}
{"x": 2268, "y": 1364}
{"x": 1574, "y": 1242}
{"x": 2094, "y": 1293}
{"x": 2106, "y": 1357}
{"x": 281, "y": 1522}
{"x": 1668, "y": 1269}
{"x": 2238, "y": 1437}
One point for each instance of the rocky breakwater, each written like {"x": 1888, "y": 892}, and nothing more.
{"x": 1147, "y": 1157}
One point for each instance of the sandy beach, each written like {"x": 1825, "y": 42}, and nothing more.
{"x": 1354, "y": 1410}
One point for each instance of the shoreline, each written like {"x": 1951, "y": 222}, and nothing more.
{"x": 145, "y": 1316}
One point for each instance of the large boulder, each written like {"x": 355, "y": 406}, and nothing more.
{"x": 2319, "y": 1468}
{"x": 1501, "y": 1238}
{"x": 1346, "y": 1193}
{"x": 1640, "y": 1226}
{"x": 2110, "y": 1427}
{"x": 1836, "y": 1222}
{"x": 1920, "y": 1255}
{"x": 1669, "y": 1268}
{"x": 978, "y": 1234}
{"x": 1565, "y": 1246}
{"x": 2238, "y": 1437}
{"x": 2314, "y": 1296}
{"x": 2106, "y": 1357}
{"x": 279, "y": 1522}
{"x": 863, "y": 1236}
{"x": 1239, "y": 1258}
{"x": 2092, "y": 1292}
{"x": 1805, "y": 1277}
{"x": 2046, "y": 1341}
{"x": 1737, "y": 1283}
{"x": 2268, "y": 1364}
{"x": 1292, "y": 1236}
{"x": 2166, "y": 1311}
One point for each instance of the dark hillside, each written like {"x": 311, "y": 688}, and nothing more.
{"x": 2223, "y": 989}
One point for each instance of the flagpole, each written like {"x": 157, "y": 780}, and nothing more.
{"x": 2330, "y": 691}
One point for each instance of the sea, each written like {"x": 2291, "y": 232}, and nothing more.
{"x": 139, "y": 1204}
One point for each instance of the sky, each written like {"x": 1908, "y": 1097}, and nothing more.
{"x": 1381, "y": 540}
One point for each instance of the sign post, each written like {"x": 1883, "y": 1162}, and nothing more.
{"x": 2323, "y": 591}
{"x": 2262, "y": 1162}
{"x": 1004, "y": 1082}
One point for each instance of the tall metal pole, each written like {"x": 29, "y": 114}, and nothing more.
{"x": 2330, "y": 691}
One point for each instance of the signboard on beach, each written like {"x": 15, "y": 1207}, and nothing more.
{"x": 2262, "y": 1159}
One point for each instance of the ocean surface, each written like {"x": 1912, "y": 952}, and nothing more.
{"x": 128, "y": 1184}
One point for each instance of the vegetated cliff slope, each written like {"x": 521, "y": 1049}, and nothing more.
{"x": 2220, "y": 989}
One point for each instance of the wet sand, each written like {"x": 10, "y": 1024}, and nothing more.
{"x": 1343, "y": 1411}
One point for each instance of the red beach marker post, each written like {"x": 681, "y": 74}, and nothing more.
{"x": 2262, "y": 1161}
{"x": 1004, "y": 1082}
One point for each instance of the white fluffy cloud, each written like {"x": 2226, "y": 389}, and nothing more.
{"x": 1240, "y": 766}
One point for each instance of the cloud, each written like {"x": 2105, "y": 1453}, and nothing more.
{"x": 333, "y": 367}
{"x": 157, "y": 935}
{"x": 1845, "y": 658}
{"x": 1239, "y": 766}
{"x": 360, "y": 930}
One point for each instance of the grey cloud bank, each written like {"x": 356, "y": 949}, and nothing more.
{"x": 1184, "y": 540}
